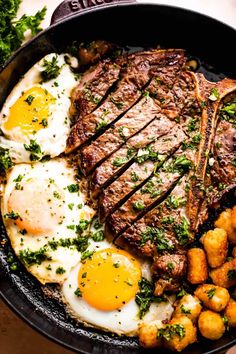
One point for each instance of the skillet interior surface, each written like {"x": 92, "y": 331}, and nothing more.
{"x": 135, "y": 25}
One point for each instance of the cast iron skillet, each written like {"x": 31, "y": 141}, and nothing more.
{"x": 135, "y": 25}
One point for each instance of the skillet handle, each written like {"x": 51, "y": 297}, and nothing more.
{"x": 70, "y": 7}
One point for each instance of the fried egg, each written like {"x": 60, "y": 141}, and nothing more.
{"x": 35, "y": 115}
{"x": 100, "y": 291}
{"x": 46, "y": 216}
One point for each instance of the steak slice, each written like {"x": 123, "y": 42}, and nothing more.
{"x": 93, "y": 86}
{"x": 152, "y": 192}
{"x": 168, "y": 100}
{"x": 116, "y": 163}
{"x": 146, "y": 161}
{"x": 133, "y": 121}
{"x": 140, "y": 69}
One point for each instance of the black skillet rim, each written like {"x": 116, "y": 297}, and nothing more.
{"x": 8, "y": 291}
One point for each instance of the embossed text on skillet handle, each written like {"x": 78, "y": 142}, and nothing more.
{"x": 70, "y": 7}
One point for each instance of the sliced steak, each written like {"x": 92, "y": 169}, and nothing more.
{"x": 146, "y": 161}
{"x": 93, "y": 86}
{"x": 133, "y": 121}
{"x": 116, "y": 163}
{"x": 165, "y": 228}
{"x": 140, "y": 69}
{"x": 151, "y": 192}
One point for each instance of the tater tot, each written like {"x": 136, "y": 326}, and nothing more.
{"x": 215, "y": 244}
{"x": 211, "y": 325}
{"x": 181, "y": 332}
{"x": 225, "y": 222}
{"x": 214, "y": 297}
{"x": 148, "y": 334}
{"x": 225, "y": 275}
{"x": 197, "y": 266}
{"x": 233, "y": 217}
{"x": 230, "y": 313}
{"x": 189, "y": 306}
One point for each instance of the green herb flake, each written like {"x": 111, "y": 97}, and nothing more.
{"x": 182, "y": 231}
{"x": 185, "y": 310}
{"x": 71, "y": 206}
{"x": 73, "y": 188}
{"x": 118, "y": 104}
{"x": 231, "y": 274}
{"x": 78, "y": 292}
{"x": 86, "y": 254}
{"x": 134, "y": 176}
{"x": 51, "y": 69}
{"x": 210, "y": 293}
{"x": 29, "y": 100}
{"x": 170, "y": 331}
{"x": 138, "y": 205}
{"x": 12, "y": 215}
{"x": 60, "y": 270}
{"x": 156, "y": 236}
{"x": 5, "y": 160}
{"x": 119, "y": 161}
{"x": 98, "y": 236}
{"x": 34, "y": 149}
{"x": 18, "y": 178}
{"x": 214, "y": 95}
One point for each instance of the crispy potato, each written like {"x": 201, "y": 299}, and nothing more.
{"x": 214, "y": 297}
{"x": 225, "y": 275}
{"x": 148, "y": 334}
{"x": 189, "y": 306}
{"x": 211, "y": 325}
{"x": 225, "y": 221}
{"x": 233, "y": 217}
{"x": 185, "y": 335}
{"x": 197, "y": 266}
{"x": 215, "y": 243}
{"x": 230, "y": 313}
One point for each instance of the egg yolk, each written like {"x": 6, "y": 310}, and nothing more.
{"x": 30, "y": 112}
{"x": 109, "y": 279}
{"x": 37, "y": 209}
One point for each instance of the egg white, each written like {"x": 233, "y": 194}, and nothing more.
{"x": 122, "y": 321}
{"x": 58, "y": 172}
{"x": 52, "y": 139}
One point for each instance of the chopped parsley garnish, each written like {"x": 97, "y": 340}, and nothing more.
{"x": 214, "y": 95}
{"x": 182, "y": 231}
{"x": 60, "y": 270}
{"x": 29, "y": 258}
{"x": 167, "y": 220}
{"x": 103, "y": 123}
{"x": 174, "y": 202}
{"x": 134, "y": 177}
{"x": 121, "y": 132}
{"x": 56, "y": 195}
{"x": 34, "y": 149}
{"x": 151, "y": 188}
{"x": 116, "y": 265}
{"x": 231, "y": 274}
{"x": 147, "y": 154}
{"x": 156, "y": 236}
{"x": 71, "y": 206}
{"x": 82, "y": 226}
{"x": 185, "y": 310}
{"x": 12, "y": 30}
{"x": 12, "y": 215}
{"x": 97, "y": 224}
{"x": 145, "y": 296}
{"x": 49, "y": 267}
{"x": 181, "y": 293}
{"x": 86, "y": 254}
{"x": 78, "y": 292}
{"x": 5, "y": 160}
{"x": 192, "y": 125}
{"x": 169, "y": 331}
{"x": 29, "y": 100}
{"x": 210, "y": 293}
{"x": 119, "y": 161}
{"x": 73, "y": 188}
{"x": 18, "y": 178}
{"x": 44, "y": 122}
{"x": 51, "y": 69}
{"x": 118, "y": 104}
{"x": 98, "y": 236}
{"x": 193, "y": 143}
{"x": 170, "y": 266}
{"x": 229, "y": 109}
{"x": 138, "y": 205}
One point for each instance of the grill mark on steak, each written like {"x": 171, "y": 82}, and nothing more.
{"x": 140, "y": 69}
{"x": 150, "y": 158}
{"x": 93, "y": 86}
{"x": 152, "y": 192}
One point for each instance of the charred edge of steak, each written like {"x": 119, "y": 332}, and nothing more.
{"x": 91, "y": 90}
{"x": 140, "y": 72}
{"x": 140, "y": 171}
